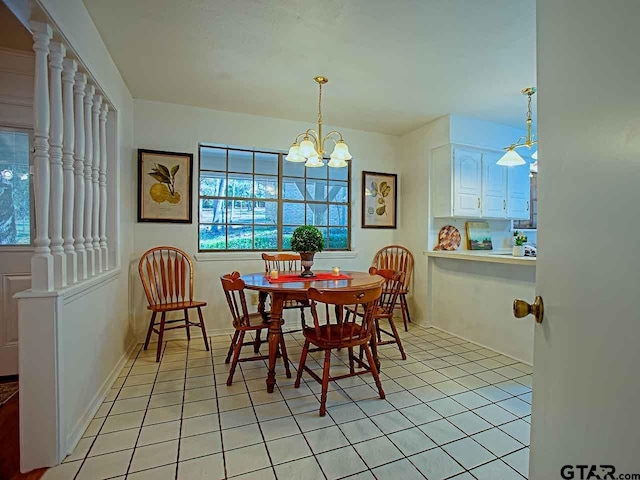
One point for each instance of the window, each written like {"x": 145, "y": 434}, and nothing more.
{"x": 15, "y": 197}
{"x": 251, "y": 200}
{"x": 532, "y": 222}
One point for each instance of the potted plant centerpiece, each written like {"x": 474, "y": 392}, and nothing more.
{"x": 307, "y": 240}
{"x": 518, "y": 243}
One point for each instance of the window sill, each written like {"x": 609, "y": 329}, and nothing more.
{"x": 255, "y": 256}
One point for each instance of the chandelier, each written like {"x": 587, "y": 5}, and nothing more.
{"x": 511, "y": 157}
{"x": 311, "y": 149}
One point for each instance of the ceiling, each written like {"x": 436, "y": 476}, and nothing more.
{"x": 13, "y": 35}
{"x": 392, "y": 65}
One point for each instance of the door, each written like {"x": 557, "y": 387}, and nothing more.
{"x": 586, "y": 386}
{"x": 518, "y": 192}
{"x": 467, "y": 183}
{"x": 494, "y": 187}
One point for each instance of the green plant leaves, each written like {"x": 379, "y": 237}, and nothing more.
{"x": 160, "y": 177}
{"x": 307, "y": 238}
{"x": 174, "y": 170}
{"x": 381, "y": 210}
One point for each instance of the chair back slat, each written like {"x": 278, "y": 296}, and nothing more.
{"x": 233, "y": 287}
{"x": 346, "y": 331}
{"x": 164, "y": 272}
{"x": 282, "y": 262}
{"x": 394, "y": 282}
{"x": 398, "y": 258}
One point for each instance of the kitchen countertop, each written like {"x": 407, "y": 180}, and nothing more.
{"x": 489, "y": 256}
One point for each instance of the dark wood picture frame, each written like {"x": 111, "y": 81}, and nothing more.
{"x": 168, "y": 204}
{"x": 377, "y": 189}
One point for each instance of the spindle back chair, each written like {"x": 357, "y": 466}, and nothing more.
{"x": 243, "y": 321}
{"x": 282, "y": 262}
{"x": 398, "y": 258}
{"x": 167, "y": 278}
{"x": 332, "y": 330}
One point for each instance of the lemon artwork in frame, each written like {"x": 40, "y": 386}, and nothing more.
{"x": 164, "y": 186}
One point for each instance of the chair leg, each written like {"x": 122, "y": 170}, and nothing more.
{"x": 204, "y": 330}
{"x": 302, "y": 315}
{"x": 186, "y": 322}
{"x": 378, "y": 330}
{"x": 236, "y": 356}
{"x": 405, "y": 311}
{"x": 160, "y": 335}
{"x": 232, "y": 346}
{"x": 153, "y": 320}
{"x": 285, "y": 358}
{"x": 374, "y": 370}
{"x": 406, "y": 306}
{"x": 396, "y": 335}
{"x": 257, "y": 342}
{"x": 351, "y": 367}
{"x": 325, "y": 382}
{"x": 303, "y": 361}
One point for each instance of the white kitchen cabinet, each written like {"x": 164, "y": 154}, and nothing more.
{"x": 456, "y": 181}
{"x": 518, "y": 192}
{"x": 494, "y": 187}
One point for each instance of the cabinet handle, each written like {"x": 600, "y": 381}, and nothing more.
{"x": 527, "y": 206}
{"x": 504, "y": 204}
{"x": 478, "y": 202}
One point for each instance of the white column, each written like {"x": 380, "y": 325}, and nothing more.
{"x": 78, "y": 172}
{"x": 95, "y": 225}
{"x": 42, "y": 261}
{"x": 88, "y": 183}
{"x": 68, "y": 73}
{"x": 103, "y": 186}
{"x": 56, "y": 56}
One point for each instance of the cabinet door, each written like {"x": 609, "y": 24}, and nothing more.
{"x": 467, "y": 183}
{"x": 494, "y": 187}
{"x": 518, "y": 192}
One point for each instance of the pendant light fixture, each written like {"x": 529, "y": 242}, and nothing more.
{"x": 311, "y": 149}
{"x": 511, "y": 158}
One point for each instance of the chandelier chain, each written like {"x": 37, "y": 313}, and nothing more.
{"x": 320, "y": 104}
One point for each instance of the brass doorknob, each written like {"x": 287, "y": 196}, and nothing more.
{"x": 522, "y": 309}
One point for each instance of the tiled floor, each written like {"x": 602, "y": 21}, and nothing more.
{"x": 453, "y": 410}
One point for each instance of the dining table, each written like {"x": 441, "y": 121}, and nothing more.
{"x": 292, "y": 287}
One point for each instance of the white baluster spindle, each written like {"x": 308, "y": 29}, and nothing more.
{"x": 103, "y": 186}
{"x": 78, "y": 172}
{"x": 95, "y": 225}
{"x": 88, "y": 183}
{"x": 69, "y": 68}
{"x": 56, "y": 56}
{"x": 41, "y": 261}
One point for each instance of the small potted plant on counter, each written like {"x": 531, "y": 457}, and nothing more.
{"x": 307, "y": 240}
{"x": 518, "y": 243}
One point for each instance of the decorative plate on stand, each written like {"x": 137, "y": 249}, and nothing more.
{"x": 448, "y": 238}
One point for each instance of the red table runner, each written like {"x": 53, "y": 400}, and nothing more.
{"x": 298, "y": 278}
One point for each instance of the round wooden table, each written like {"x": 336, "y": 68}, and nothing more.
{"x": 297, "y": 290}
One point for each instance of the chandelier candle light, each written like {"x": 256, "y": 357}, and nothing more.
{"x": 511, "y": 158}
{"x": 311, "y": 149}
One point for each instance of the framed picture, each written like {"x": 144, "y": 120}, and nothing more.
{"x": 478, "y": 236}
{"x": 165, "y": 186}
{"x": 379, "y": 200}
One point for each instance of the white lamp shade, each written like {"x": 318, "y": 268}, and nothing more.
{"x": 336, "y": 162}
{"x": 341, "y": 151}
{"x": 534, "y": 155}
{"x": 511, "y": 159}
{"x": 307, "y": 149}
{"x": 294, "y": 154}
{"x": 314, "y": 161}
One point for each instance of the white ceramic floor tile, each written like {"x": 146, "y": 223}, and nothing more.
{"x": 420, "y": 414}
{"x": 441, "y": 431}
{"x": 427, "y": 393}
{"x": 470, "y": 400}
{"x": 199, "y": 425}
{"x": 519, "y": 429}
{"x": 264, "y": 474}
{"x": 288, "y": 448}
{"x": 155, "y": 455}
{"x": 304, "y": 469}
{"x": 199, "y": 408}
{"x": 270, "y": 411}
{"x": 247, "y": 459}
{"x": 163, "y": 414}
{"x": 401, "y": 469}
{"x": 495, "y": 415}
{"x": 469, "y": 422}
{"x": 167, "y": 472}
{"x": 326, "y": 439}
{"x": 494, "y": 470}
{"x": 81, "y": 450}
{"x": 516, "y": 406}
{"x": 519, "y": 460}
{"x": 237, "y": 418}
{"x": 346, "y": 413}
{"x": 200, "y": 446}
{"x": 114, "y": 423}
{"x": 241, "y": 436}
{"x": 436, "y": 464}
{"x": 391, "y": 422}
{"x": 113, "y": 442}
{"x": 203, "y": 468}
{"x": 278, "y": 428}
{"x": 105, "y": 466}
{"x": 468, "y": 453}
{"x": 497, "y": 442}
{"x": 64, "y": 471}
{"x": 360, "y": 430}
{"x": 341, "y": 463}
{"x": 411, "y": 441}
{"x": 446, "y": 407}
{"x": 378, "y": 451}
{"x": 161, "y": 432}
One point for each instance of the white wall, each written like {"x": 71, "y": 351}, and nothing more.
{"x": 178, "y": 128}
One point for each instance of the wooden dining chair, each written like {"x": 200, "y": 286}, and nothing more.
{"x": 167, "y": 278}
{"x": 244, "y": 322}
{"x": 399, "y": 258}
{"x": 326, "y": 335}
{"x": 394, "y": 281}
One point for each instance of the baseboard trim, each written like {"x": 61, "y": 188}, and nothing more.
{"x": 76, "y": 434}
{"x": 482, "y": 345}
